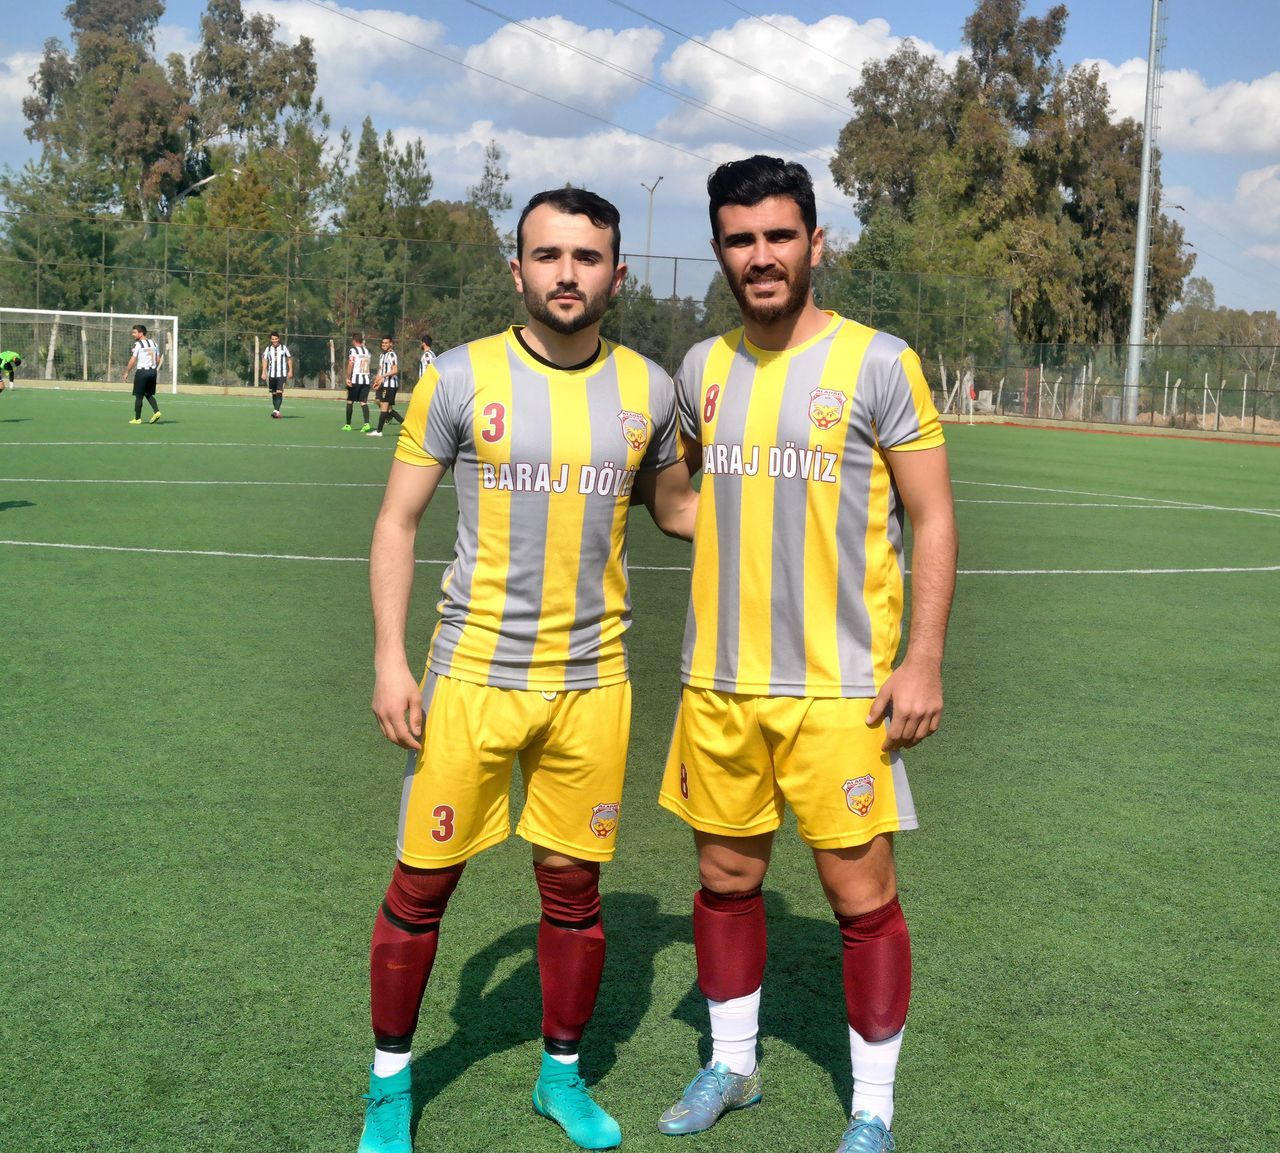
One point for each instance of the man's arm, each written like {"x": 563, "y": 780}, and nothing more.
{"x": 913, "y": 691}
{"x": 671, "y": 500}
{"x": 288, "y": 360}
{"x": 159, "y": 357}
{"x": 128, "y": 368}
{"x": 395, "y": 691}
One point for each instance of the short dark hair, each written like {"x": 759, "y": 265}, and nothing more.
{"x": 388, "y": 336}
{"x": 750, "y": 181}
{"x": 357, "y": 336}
{"x": 142, "y": 328}
{"x": 425, "y": 338}
{"x": 272, "y": 333}
{"x": 575, "y": 202}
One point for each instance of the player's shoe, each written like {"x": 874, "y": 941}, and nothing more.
{"x": 866, "y": 1134}
{"x": 714, "y": 1092}
{"x": 375, "y": 432}
{"x": 386, "y": 1117}
{"x": 561, "y": 1095}
{"x": 154, "y": 417}
{"x": 366, "y": 427}
{"x": 346, "y": 428}
{"x": 136, "y": 420}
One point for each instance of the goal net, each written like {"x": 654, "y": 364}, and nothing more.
{"x": 83, "y": 346}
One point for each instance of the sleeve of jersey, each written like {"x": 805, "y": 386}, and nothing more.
{"x": 426, "y": 435}
{"x": 664, "y": 446}
{"x": 906, "y": 418}
{"x": 686, "y": 386}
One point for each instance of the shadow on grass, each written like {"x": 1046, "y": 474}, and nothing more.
{"x": 6, "y": 505}
{"x": 15, "y": 420}
{"x": 803, "y": 1002}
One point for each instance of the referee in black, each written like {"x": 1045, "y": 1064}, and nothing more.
{"x": 277, "y": 367}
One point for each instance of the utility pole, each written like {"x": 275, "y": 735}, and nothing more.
{"x": 648, "y": 237}
{"x": 1138, "y": 309}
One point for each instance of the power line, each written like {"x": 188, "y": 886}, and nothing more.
{"x": 798, "y": 39}
{"x": 733, "y": 59}
{"x": 728, "y": 117}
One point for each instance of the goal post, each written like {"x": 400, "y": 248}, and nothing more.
{"x": 84, "y": 346}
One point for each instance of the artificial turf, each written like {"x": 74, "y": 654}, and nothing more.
{"x": 200, "y": 814}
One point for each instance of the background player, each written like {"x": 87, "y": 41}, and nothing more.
{"x": 358, "y": 359}
{"x": 144, "y": 364}
{"x": 547, "y": 428}
{"x": 815, "y": 433}
{"x": 428, "y": 356}
{"x": 277, "y": 368}
{"x": 9, "y": 362}
{"x": 387, "y": 382}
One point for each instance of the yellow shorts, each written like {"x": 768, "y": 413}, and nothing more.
{"x": 573, "y": 752}
{"x": 736, "y": 760}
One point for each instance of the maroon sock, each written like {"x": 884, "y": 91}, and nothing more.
{"x": 877, "y": 971}
{"x": 730, "y": 941}
{"x": 405, "y": 936}
{"x": 571, "y": 951}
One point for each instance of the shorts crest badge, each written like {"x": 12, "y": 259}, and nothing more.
{"x": 604, "y": 820}
{"x": 826, "y": 406}
{"x": 860, "y": 794}
{"x": 635, "y": 427}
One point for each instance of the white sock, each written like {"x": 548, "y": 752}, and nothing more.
{"x": 875, "y": 1064}
{"x": 564, "y": 1058}
{"x": 389, "y": 1064}
{"x": 735, "y": 1025}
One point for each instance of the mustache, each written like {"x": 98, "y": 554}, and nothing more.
{"x": 759, "y": 274}
{"x": 565, "y": 290}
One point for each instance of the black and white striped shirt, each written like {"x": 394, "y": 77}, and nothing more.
{"x": 358, "y": 364}
{"x": 389, "y": 367}
{"x": 275, "y": 360}
{"x": 146, "y": 353}
{"x": 428, "y": 359}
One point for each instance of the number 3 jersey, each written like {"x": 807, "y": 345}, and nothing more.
{"x": 797, "y": 571}
{"x": 544, "y": 461}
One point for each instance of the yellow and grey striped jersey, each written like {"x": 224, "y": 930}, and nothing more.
{"x": 544, "y": 460}
{"x": 797, "y": 570}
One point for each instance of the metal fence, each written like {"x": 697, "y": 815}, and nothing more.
{"x": 232, "y": 286}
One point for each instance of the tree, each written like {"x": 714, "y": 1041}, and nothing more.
{"x": 1009, "y": 168}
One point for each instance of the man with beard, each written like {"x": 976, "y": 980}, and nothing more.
{"x": 550, "y": 431}
{"x": 815, "y": 434}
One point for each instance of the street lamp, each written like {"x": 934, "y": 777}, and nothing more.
{"x": 648, "y": 237}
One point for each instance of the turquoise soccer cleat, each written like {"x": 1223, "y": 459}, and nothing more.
{"x": 561, "y": 1095}
{"x": 386, "y": 1117}
{"x": 714, "y": 1092}
{"x": 866, "y": 1134}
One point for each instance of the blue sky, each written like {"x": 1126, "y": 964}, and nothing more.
{"x": 1220, "y": 125}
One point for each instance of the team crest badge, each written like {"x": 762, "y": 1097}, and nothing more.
{"x": 826, "y": 406}
{"x": 635, "y": 427}
{"x": 604, "y": 820}
{"x": 860, "y": 794}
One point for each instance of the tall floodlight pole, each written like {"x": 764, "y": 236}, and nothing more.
{"x": 648, "y": 236}
{"x": 1138, "y": 309}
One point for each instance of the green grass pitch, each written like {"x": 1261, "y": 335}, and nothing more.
{"x": 200, "y": 814}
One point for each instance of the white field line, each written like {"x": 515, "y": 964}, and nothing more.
{"x": 1150, "y": 500}
{"x": 183, "y": 444}
{"x": 633, "y": 568}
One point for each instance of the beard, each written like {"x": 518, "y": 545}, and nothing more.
{"x": 797, "y": 295}
{"x": 593, "y": 309}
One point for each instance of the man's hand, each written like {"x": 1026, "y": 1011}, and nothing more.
{"x": 396, "y": 695}
{"x": 912, "y": 698}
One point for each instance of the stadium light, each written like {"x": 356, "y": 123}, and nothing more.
{"x": 648, "y": 236}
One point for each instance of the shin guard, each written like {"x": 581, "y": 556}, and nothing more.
{"x": 730, "y": 941}
{"x": 405, "y": 936}
{"x": 571, "y": 950}
{"x": 877, "y": 971}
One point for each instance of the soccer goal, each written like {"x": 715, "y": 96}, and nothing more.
{"x": 84, "y": 346}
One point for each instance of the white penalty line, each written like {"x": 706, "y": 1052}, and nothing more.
{"x": 633, "y": 568}
{"x": 1150, "y": 501}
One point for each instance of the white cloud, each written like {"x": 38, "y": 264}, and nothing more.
{"x": 541, "y": 65}
{"x": 1258, "y": 198}
{"x": 815, "y": 66}
{"x": 1241, "y": 116}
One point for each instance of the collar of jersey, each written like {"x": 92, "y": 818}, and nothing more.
{"x": 764, "y": 354}
{"x": 601, "y": 357}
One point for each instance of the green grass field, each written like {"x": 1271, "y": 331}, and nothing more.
{"x": 200, "y": 815}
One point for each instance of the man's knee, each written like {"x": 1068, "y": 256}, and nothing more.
{"x": 417, "y": 898}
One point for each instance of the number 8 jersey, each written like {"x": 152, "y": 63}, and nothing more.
{"x": 544, "y": 460}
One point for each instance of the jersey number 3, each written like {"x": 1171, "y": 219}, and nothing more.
{"x": 497, "y": 429}
{"x": 444, "y": 815}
